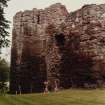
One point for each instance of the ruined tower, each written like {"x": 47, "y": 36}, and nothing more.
{"x": 29, "y": 46}
{"x": 53, "y": 45}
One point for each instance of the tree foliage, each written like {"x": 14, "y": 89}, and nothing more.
{"x": 4, "y": 76}
{"x": 4, "y": 71}
{"x": 4, "y": 25}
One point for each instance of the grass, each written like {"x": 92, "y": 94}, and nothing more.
{"x": 67, "y": 97}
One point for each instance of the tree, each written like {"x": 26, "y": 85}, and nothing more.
{"x": 4, "y": 74}
{"x": 4, "y": 71}
{"x": 4, "y": 25}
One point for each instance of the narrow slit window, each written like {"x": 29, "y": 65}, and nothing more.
{"x": 38, "y": 19}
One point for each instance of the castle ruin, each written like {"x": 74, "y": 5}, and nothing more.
{"x": 52, "y": 44}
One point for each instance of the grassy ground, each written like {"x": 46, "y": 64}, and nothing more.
{"x": 68, "y": 97}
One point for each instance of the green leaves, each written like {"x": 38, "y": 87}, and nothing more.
{"x": 4, "y": 25}
{"x": 3, "y": 3}
{"x": 4, "y": 71}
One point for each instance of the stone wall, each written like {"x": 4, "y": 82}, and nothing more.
{"x": 53, "y": 45}
{"x": 29, "y": 46}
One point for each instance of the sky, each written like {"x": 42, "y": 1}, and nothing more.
{"x": 21, "y": 5}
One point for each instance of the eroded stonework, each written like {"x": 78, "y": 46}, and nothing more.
{"x": 54, "y": 45}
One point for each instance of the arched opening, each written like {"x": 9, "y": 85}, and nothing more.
{"x": 75, "y": 67}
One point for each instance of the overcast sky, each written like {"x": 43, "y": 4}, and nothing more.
{"x": 18, "y": 5}
{"x": 21, "y": 5}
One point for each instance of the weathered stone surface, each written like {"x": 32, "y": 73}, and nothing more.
{"x": 53, "y": 45}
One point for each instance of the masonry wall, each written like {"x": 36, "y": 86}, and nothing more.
{"x": 29, "y": 47}
{"x": 53, "y": 45}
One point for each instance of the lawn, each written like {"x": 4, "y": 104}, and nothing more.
{"x": 67, "y": 97}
